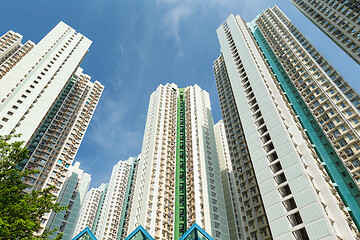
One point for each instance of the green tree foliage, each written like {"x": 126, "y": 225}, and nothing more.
{"x": 20, "y": 213}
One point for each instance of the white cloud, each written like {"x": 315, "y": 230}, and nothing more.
{"x": 120, "y": 50}
{"x": 172, "y": 20}
{"x": 98, "y": 5}
{"x": 111, "y": 126}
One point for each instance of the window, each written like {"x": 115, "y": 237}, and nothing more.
{"x": 295, "y": 219}
{"x": 280, "y": 178}
{"x": 336, "y": 133}
{"x": 276, "y": 167}
{"x": 349, "y": 152}
{"x": 215, "y": 209}
{"x": 301, "y": 234}
{"x": 356, "y": 146}
{"x": 331, "y": 125}
{"x": 356, "y": 163}
{"x": 272, "y": 157}
{"x": 289, "y": 204}
{"x": 342, "y": 142}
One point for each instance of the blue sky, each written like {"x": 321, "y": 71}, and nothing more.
{"x": 138, "y": 45}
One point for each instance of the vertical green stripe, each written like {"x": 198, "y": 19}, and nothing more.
{"x": 180, "y": 177}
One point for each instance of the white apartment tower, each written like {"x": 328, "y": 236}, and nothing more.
{"x": 329, "y": 97}
{"x": 245, "y": 197}
{"x": 89, "y": 209}
{"x": 47, "y": 99}
{"x": 338, "y": 19}
{"x": 113, "y": 205}
{"x": 178, "y": 179}
{"x": 326, "y": 104}
{"x": 106, "y": 209}
{"x": 228, "y": 178}
{"x": 285, "y": 192}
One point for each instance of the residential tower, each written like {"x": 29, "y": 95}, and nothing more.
{"x": 178, "y": 178}
{"x": 45, "y": 97}
{"x": 285, "y": 184}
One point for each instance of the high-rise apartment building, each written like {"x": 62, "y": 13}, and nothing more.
{"x": 128, "y": 200}
{"x": 114, "y": 205}
{"x": 338, "y": 19}
{"x": 290, "y": 178}
{"x": 72, "y": 196}
{"x": 329, "y": 100}
{"x": 178, "y": 180}
{"x": 106, "y": 209}
{"x": 245, "y": 198}
{"x": 103, "y": 188}
{"x": 45, "y": 97}
{"x": 89, "y": 209}
{"x": 229, "y": 181}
